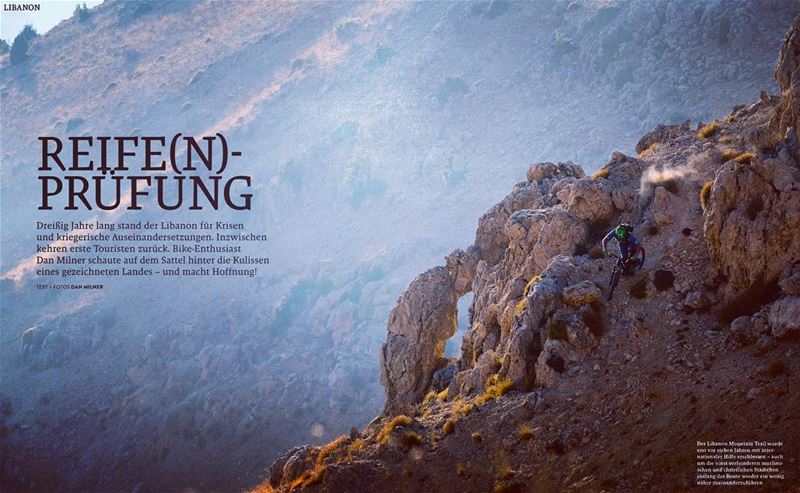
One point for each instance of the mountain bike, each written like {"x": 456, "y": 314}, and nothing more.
{"x": 620, "y": 267}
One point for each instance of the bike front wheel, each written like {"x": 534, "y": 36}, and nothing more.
{"x": 613, "y": 283}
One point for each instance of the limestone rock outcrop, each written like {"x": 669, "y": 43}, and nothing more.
{"x": 582, "y": 293}
{"x": 515, "y": 240}
{"x": 752, "y": 224}
{"x": 587, "y": 199}
{"x": 419, "y": 326}
{"x": 491, "y": 238}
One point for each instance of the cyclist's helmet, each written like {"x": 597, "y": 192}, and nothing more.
{"x": 623, "y": 230}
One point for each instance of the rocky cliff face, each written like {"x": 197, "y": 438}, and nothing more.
{"x": 559, "y": 388}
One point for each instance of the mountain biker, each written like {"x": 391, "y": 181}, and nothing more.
{"x": 629, "y": 247}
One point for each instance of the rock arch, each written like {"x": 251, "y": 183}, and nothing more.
{"x": 419, "y": 326}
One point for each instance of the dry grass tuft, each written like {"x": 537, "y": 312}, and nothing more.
{"x": 729, "y": 154}
{"x": 331, "y": 449}
{"x": 521, "y": 305}
{"x": 507, "y": 487}
{"x": 503, "y": 474}
{"x": 428, "y": 398}
{"x": 602, "y": 173}
{"x": 411, "y": 439}
{"x": 388, "y": 428}
{"x": 264, "y": 487}
{"x": 357, "y": 446}
{"x": 705, "y": 194}
{"x": 449, "y": 427}
{"x": 744, "y": 158}
{"x": 461, "y": 471}
{"x": 650, "y": 150}
{"x": 504, "y": 471}
{"x": 525, "y": 432}
{"x": 495, "y": 387}
{"x": 442, "y": 396}
{"x": 308, "y": 478}
{"x": 530, "y": 284}
{"x": 462, "y": 408}
{"x": 708, "y": 130}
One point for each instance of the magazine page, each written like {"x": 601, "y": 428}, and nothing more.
{"x": 399, "y": 246}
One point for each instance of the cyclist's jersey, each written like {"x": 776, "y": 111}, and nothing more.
{"x": 626, "y": 246}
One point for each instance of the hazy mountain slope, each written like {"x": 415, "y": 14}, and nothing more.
{"x": 375, "y": 133}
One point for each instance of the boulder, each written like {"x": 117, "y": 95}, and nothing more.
{"x": 582, "y": 293}
{"x": 475, "y": 378}
{"x": 550, "y": 364}
{"x": 482, "y": 337}
{"x": 560, "y": 235}
{"x": 751, "y": 223}
{"x": 698, "y": 300}
{"x": 523, "y": 351}
{"x": 620, "y": 157}
{"x": 490, "y": 237}
{"x": 463, "y": 265}
{"x": 784, "y": 316}
{"x": 587, "y": 199}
